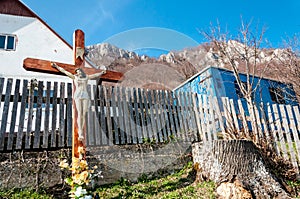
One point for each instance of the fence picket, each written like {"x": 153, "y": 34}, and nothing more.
{"x": 116, "y": 115}
{"x": 167, "y": 124}
{"x": 158, "y": 118}
{"x": 20, "y": 133}
{"x": 213, "y": 119}
{"x": 5, "y": 113}
{"x": 69, "y": 113}
{"x": 288, "y": 136}
{"x": 273, "y": 129}
{"x": 244, "y": 120}
{"x": 61, "y": 134}
{"x": 47, "y": 116}
{"x": 38, "y": 116}
{"x": 54, "y": 115}
{"x": 280, "y": 132}
{"x": 139, "y": 135}
{"x": 108, "y": 115}
{"x": 13, "y": 116}
{"x": 172, "y": 114}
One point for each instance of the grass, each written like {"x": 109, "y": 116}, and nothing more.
{"x": 178, "y": 185}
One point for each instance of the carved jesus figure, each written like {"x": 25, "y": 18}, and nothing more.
{"x": 81, "y": 96}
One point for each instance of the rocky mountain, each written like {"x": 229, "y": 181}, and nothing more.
{"x": 142, "y": 71}
{"x": 169, "y": 70}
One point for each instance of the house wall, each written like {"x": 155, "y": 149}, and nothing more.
{"x": 34, "y": 40}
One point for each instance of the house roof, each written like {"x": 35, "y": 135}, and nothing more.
{"x": 219, "y": 68}
{"x": 18, "y": 8}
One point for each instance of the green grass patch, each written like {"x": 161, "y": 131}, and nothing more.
{"x": 178, "y": 185}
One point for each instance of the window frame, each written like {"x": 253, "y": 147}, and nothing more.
{"x": 6, "y": 42}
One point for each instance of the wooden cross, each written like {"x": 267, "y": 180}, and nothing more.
{"x": 45, "y": 66}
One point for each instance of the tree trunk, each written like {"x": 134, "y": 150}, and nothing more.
{"x": 238, "y": 169}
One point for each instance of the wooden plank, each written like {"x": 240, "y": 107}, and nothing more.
{"x": 179, "y": 112}
{"x": 258, "y": 122}
{"x": 213, "y": 117}
{"x": 102, "y": 130}
{"x": 157, "y": 117}
{"x": 227, "y": 114}
{"x": 287, "y": 132}
{"x": 273, "y": 129}
{"x": 126, "y": 117}
{"x": 297, "y": 117}
{"x": 30, "y": 118}
{"x": 13, "y": 115}
{"x": 183, "y": 113}
{"x": 96, "y": 117}
{"x": 121, "y": 116}
{"x": 69, "y": 114}
{"x": 167, "y": 112}
{"x": 207, "y": 118}
{"x": 196, "y": 110}
{"x": 38, "y": 118}
{"x": 115, "y": 117}
{"x": 132, "y": 120}
{"x": 54, "y": 115}
{"x": 108, "y": 116}
{"x": 61, "y": 140}
{"x": 164, "y": 127}
{"x": 155, "y": 129}
{"x": 186, "y": 116}
{"x": 173, "y": 114}
{"x": 280, "y": 132}
{"x": 192, "y": 114}
{"x": 137, "y": 116}
{"x": 219, "y": 114}
{"x": 44, "y": 66}
{"x": 147, "y": 115}
{"x": 5, "y": 112}
{"x": 47, "y": 116}
{"x": 203, "y": 120}
{"x": 2, "y": 81}
{"x": 142, "y": 114}
{"x": 234, "y": 116}
{"x": 293, "y": 121}
{"x": 22, "y": 115}
{"x": 91, "y": 117}
{"x": 263, "y": 119}
{"x": 244, "y": 120}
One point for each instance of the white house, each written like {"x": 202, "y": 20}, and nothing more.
{"x": 24, "y": 34}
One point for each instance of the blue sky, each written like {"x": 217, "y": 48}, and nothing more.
{"x": 105, "y": 20}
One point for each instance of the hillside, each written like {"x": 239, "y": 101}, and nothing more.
{"x": 169, "y": 70}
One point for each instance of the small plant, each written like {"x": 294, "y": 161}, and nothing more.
{"x": 81, "y": 176}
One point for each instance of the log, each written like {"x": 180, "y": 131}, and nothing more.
{"x": 238, "y": 169}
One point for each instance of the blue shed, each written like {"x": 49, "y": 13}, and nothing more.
{"x": 220, "y": 82}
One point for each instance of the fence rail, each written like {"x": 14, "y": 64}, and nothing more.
{"x": 38, "y": 115}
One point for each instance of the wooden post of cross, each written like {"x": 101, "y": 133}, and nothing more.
{"x": 45, "y": 66}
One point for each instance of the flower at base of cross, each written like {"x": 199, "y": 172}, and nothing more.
{"x": 80, "y": 177}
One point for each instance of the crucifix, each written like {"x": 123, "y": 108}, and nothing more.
{"x": 80, "y": 75}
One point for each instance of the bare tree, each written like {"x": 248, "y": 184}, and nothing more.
{"x": 288, "y": 63}
{"x": 241, "y": 54}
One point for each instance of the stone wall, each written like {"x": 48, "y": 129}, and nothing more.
{"x": 40, "y": 169}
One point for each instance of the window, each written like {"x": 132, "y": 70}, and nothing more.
{"x": 277, "y": 95}
{"x": 238, "y": 90}
{"x": 7, "y": 42}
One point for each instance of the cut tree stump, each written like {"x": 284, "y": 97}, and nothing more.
{"x": 238, "y": 169}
